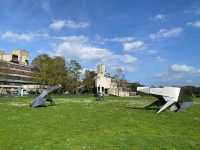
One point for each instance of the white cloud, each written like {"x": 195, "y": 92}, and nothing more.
{"x": 15, "y": 36}
{"x": 133, "y": 46}
{"x": 169, "y": 76}
{"x": 120, "y": 39}
{"x": 79, "y": 39}
{"x": 84, "y": 52}
{"x": 60, "y": 24}
{"x": 73, "y": 24}
{"x": 182, "y": 68}
{"x": 21, "y": 37}
{"x": 79, "y": 47}
{"x": 160, "y": 17}
{"x": 129, "y": 43}
{"x": 128, "y": 59}
{"x": 82, "y": 49}
{"x": 57, "y": 25}
{"x": 167, "y": 33}
{"x": 194, "y": 24}
{"x": 180, "y": 74}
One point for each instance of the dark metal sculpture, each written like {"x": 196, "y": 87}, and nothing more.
{"x": 43, "y": 97}
{"x": 184, "y": 106}
{"x": 99, "y": 96}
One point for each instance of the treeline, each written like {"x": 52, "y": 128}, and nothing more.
{"x": 54, "y": 71}
{"x": 192, "y": 91}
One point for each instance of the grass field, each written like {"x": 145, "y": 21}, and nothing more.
{"x": 77, "y": 123}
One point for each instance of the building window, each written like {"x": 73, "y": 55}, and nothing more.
{"x": 102, "y": 89}
{"x": 15, "y": 59}
{"x": 106, "y": 91}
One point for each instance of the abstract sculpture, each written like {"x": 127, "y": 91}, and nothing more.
{"x": 43, "y": 97}
{"x": 171, "y": 95}
{"x": 99, "y": 96}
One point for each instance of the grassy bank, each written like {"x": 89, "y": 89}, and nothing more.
{"x": 83, "y": 123}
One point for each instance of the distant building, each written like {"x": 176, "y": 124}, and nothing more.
{"x": 108, "y": 85}
{"x": 15, "y": 72}
{"x": 16, "y": 56}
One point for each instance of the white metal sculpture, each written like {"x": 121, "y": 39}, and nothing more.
{"x": 169, "y": 94}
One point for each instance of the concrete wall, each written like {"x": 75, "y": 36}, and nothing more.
{"x": 103, "y": 81}
{"x": 7, "y": 57}
{"x": 23, "y": 56}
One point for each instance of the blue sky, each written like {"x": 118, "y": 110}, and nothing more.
{"x": 153, "y": 41}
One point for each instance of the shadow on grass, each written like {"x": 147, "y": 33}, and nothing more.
{"x": 141, "y": 108}
{"x": 44, "y": 106}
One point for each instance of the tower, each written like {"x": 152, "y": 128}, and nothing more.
{"x": 101, "y": 69}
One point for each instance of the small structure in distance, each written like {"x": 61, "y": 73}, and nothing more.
{"x": 106, "y": 84}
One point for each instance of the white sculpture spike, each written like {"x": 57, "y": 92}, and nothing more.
{"x": 170, "y": 94}
{"x": 169, "y": 103}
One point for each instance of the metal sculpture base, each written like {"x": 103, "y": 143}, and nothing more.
{"x": 184, "y": 106}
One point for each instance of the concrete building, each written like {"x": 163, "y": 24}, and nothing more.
{"x": 107, "y": 84}
{"x": 16, "y": 56}
{"x": 15, "y": 72}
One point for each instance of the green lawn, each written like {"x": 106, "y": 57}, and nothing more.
{"x": 83, "y": 123}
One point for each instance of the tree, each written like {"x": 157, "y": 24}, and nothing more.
{"x": 74, "y": 73}
{"x": 133, "y": 86}
{"x": 41, "y": 68}
{"x": 50, "y": 71}
{"x": 89, "y": 81}
{"x": 119, "y": 76}
{"x": 190, "y": 91}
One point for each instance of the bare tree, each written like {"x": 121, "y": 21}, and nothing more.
{"x": 119, "y": 76}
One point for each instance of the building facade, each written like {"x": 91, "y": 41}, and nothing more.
{"x": 15, "y": 72}
{"x": 107, "y": 84}
{"x": 16, "y": 56}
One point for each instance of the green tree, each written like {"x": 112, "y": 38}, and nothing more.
{"x": 74, "y": 75}
{"x": 89, "y": 81}
{"x": 41, "y": 68}
{"x": 51, "y": 71}
{"x": 133, "y": 86}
